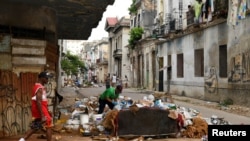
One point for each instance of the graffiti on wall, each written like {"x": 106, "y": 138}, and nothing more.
{"x": 240, "y": 68}
{"x": 211, "y": 81}
{"x": 12, "y": 111}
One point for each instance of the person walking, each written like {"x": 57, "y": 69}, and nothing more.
{"x": 114, "y": 79}
{"x": 39, "y": 108}
{"x": 109, "y": 97}
{"x": 107, "y": 80}
{"x": 126, "y": 81}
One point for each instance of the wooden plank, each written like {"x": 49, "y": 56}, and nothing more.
{"x": 27, "y": 84}
{"x": 51, "y": 56}
{"x": 23, "y": 81}
{"x": 16, "y": 85}
{"x": 21, "y": 60}
{"x": 1, "y": 105}
{"x": 23, "y": 68}
{"x": 52, "y": 47}
{"x": 28, "y": 42}
{"x": 27, "y": 50}
{"x": 52, "y": 66}
{"x": 6, "y": 86}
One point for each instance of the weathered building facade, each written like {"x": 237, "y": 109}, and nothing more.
{"x": 210, "y": 64}
{"x": 207, "y": 60}
{"x": 26, "y": 49}
{"x": 142, "y": 56}
{"x": 29, "y": 33}
{"x": 119, "y": 63}
{"x": 102, "y": 60}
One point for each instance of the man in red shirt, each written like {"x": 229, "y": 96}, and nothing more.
{"x": 39, "y": 108}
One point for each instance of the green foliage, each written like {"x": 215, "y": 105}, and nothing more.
{"x": 132, "y": 8}
{"x": 71, "y": 63}
{"x": 227, "y": 102}
{"x": 135, "y": 35}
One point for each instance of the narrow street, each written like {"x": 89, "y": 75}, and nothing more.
{"x": 185, "y": 102}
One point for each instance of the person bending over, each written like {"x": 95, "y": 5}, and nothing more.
{"x": 109, "y": 97}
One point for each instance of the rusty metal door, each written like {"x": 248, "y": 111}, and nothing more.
{"x": 15, "y": 95}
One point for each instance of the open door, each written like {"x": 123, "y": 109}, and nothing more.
{"x": 161, "y": 75}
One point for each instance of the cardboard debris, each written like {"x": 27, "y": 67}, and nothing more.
{"x": 109, "y": 120}
{"x": 197, "y": 130}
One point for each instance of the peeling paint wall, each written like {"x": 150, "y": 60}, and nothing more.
{"x": 149, "y": 65}
{"x": 222, "y": 80}
{"x": 126, "y": 65}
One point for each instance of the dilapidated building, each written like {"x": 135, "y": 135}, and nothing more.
{"x": 207, "y": 58}
{"x": 29, "y": 33}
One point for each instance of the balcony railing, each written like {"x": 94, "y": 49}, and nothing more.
{"x": 102, "y": 61}
{"x": 117, "y": 53}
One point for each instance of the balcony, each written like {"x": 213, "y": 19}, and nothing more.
{"x": 102, "y": 61}
{"x": 117, "y": 54}
{"x": 159, "y": 31}
{"x": 92, "y": 66}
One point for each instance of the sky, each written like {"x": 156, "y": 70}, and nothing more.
{"x": 118, "y": 9}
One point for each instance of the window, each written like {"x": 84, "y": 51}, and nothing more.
{"x": 223, "y": 61}
{"x": 180, "y": 65}
{"x": 199, "y": 63}
{"x": 134, "y": 22}
{"x": 116, "y": 44}
{"x": 169, "y": 69}
{"x": 139, "y": 18}
{"x": 169, "y": 60}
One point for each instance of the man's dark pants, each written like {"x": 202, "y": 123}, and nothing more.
{"x": 102, "y": 104}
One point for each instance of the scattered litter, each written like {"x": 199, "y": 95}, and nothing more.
{"x": 84, "y": 119}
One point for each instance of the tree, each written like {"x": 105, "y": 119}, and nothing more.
{"x": 71, "y": 64}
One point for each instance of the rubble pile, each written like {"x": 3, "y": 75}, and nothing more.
{"x": 84, "y": 120}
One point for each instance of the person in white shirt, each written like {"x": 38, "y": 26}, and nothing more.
{"x": 113, "y": 80}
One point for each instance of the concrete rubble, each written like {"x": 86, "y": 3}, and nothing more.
{"x": 82, "y": 118}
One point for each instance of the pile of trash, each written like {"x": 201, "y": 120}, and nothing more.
{"x": 82, "y": 117}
